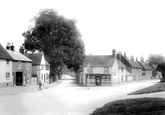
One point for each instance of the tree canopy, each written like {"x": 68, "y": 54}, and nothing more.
{"x": 58, "y": 37}
{"x": 159, "y": 60}
{"x": 155, "y": 58}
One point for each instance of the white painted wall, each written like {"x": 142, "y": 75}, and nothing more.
{"x": 115, "y": 73}
{"x": 5, "y": 68}
{"x": 43, "y": 71}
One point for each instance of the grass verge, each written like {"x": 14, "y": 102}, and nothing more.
{"x": 137, "y": 106}
{"x": 152, "y": 89}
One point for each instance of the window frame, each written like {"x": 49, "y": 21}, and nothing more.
{"x": 7, "y": 75}
{"x": 27, "y": 65}
{"x": 106, "y": 70}
{"x": 19, "y": 64}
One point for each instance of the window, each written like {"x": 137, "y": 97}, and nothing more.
{"x": 27, "y": 66}
{"x": 106, "y": 70}
{"x": 19, "y": 65}
{"x": 7, "y": 75}
{"x": 7, "y": 62}
{"x": 47, "y": 75}
{"x": 47, "y": 68}
{"x": 90, "y": 70}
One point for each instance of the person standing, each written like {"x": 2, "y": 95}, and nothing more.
{"x": 40, "y": 84}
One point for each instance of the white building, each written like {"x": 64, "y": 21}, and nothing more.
{"x": 40, "y": 67}
{"x": 6, "y": 75}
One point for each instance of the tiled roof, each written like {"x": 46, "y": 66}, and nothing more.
{"x": 18, "y": 56}
{"x": 99, "y": 61}
{"x": 36, "y": 57}
{"x": 120, "y": 63}
{"x": 4, "y": 54}
{"x": 145, "y": 66}
{"x": 149, "y": 67}
{"x": 134, "y": 64}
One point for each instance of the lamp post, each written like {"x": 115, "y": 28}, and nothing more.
{"x": 88, "y": 67}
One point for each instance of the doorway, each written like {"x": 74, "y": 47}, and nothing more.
{"x": 19, "y": 79}
{"x": 98, "y": 80}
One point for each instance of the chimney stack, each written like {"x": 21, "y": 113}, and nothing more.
{"x": 8, "y": 46}
{"x": 142, "y": 59}
{"x": 12, "y": 47}
{"x": 120, "y": 55}
{"x": 136, "y": 58}
{"x": 114, "y": 53}
{"x": 132, "y": 58}
{"x": 21, "y": 49}
{"x": 125, "y": 55}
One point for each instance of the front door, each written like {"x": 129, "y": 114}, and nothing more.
{"x": 98, "y": 80}
{"x": 19, "y": 79}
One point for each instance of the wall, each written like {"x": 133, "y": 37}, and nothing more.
{"x": 3, "y": 69}
{"x": 148, "y": 74}
{"x": 43, "y": 72}
{"x": 137, "y": 74}
{"x": 115, "y": 73}
{"x": 27, "y": 73}
{"x": 96, "y": 70}
{"x": 122, "y": 74}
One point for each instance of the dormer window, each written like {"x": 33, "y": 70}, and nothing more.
{"x": 19, "y": 64}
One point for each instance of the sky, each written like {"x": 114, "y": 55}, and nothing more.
{"x": 136, "y": 27}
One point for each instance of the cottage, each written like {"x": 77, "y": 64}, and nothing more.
{"x": 6, "y": 76}
{"x": 40, "y": 67}
{"x": 146, "y": 70}
{"x": 102, "y": 70}
{"x": 21, "y": 67}
{"x": 133, "y": 68}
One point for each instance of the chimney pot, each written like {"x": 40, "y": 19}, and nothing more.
{"x": 125, "y": 55}
{"x": 21, "y": 50}
{"x": 114, "y": 52}
{"x": 12, "y": 47}
{"x": 8, "y": 46}
{"x": 136, "y": 58}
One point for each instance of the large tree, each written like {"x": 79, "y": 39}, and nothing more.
{"x": 155, "y": 59}
{"x": 159, "y": 60}
{"x": 58, "y": 37}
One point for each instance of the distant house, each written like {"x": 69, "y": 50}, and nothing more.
{"x": 40, "y": 67}
{"x": 102, "y": 70}
{"x": 6, "y": 76}
{"x": 21, "y": 67}
{"x": 156, "y": 74}
{"x": 133, "y": 68}
{"x": 146, "y": 71}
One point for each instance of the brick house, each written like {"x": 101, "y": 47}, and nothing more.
{"x": 21, "y": 67}
{"x": 6, "y": 77}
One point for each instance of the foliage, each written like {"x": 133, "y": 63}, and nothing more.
{"x": 155, "y": 59}
{"x": 58, "y": 37}
{"x": 161, "y": 68}
{"x": 137, "y": 106}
